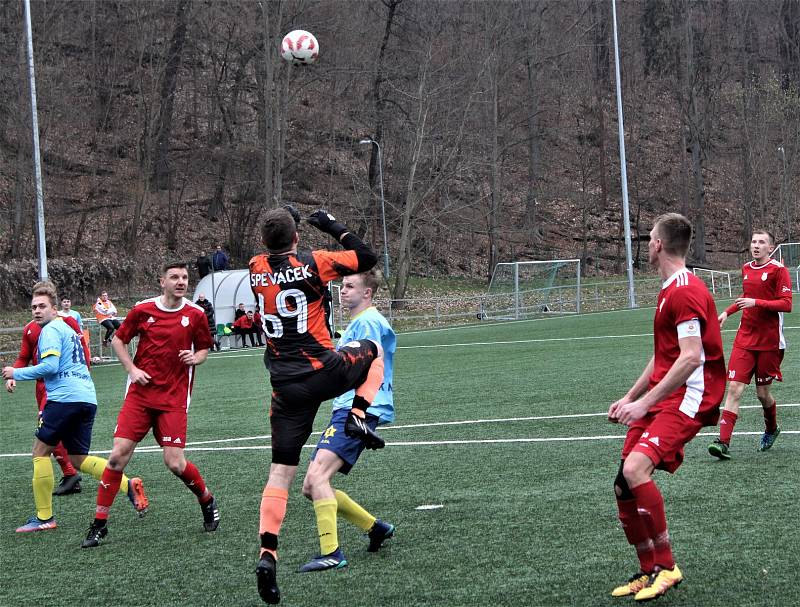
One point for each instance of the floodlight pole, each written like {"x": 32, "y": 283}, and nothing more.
{"x": 625, "y": 210}
{"x": 37, "y": 161}
{"x": 383, "y": 206}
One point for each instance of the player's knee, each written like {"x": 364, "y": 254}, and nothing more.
{"x": 307, "y": 488}
{"x": 621, "y": 488}
{"x": 175, "y": 463}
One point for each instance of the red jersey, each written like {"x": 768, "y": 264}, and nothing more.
{"x": 761, "y": 327}
{"x": 290, "y": 290}
{"x": 243, "y": 322}
{"x": 28, "y": 351}
{"x": 685, "y": 305}
{"x": 162, "y": 333}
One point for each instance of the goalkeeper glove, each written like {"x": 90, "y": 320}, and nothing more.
{"x": 325, "y": 222}
{"x": 294, "y": 213}
{"x": 356, "y": 427}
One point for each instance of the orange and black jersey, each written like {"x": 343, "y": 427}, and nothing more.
{"x": 290, "y": 289}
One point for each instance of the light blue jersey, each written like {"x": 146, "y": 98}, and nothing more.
{"x": 62, "y": 366}
{"x": 370, "y": 324}
{"x": 77, "y": 316}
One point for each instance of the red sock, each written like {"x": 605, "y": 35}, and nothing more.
{"x": 726, "y": 425}
{"x": 636, "y": 533}
{"x": 191, "y": 478}
{"x": 106, "y": 492}
{"x": 62, "y": 457}
{"x": 771, "y": 417}
{"x": 650, "y": 505}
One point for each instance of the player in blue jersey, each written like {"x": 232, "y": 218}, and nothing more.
{"x": 69, "y": 413}
{"x": 337, "y": 452}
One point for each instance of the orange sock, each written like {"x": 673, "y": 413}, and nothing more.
{"x": 273, "y": 511}
{"x": 372, "y": 384}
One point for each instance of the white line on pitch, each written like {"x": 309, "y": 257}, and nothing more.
{"x": 484, "y": 441}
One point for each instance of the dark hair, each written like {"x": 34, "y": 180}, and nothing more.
{"x": 46, "y": 288}
{"x": 371, "y": 280}
{"x": 769, "y": 234}
{"x": 174, "y": 264}
{"x": 675, "y": 232}
{"x": 278, "y": 230}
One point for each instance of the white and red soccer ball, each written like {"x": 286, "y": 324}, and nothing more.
{"x": 300, "y": 47}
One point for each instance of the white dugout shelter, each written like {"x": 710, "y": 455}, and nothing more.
{"x": 226, "y": 290}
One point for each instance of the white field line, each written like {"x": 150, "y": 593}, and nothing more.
{"x": 259, "y": 350}
{"x": 195, "y": 446}
{"x": 486, "y": 441}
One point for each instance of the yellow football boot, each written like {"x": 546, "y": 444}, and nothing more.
{"x": 659, "y": 583}
{"x": 632, "y": 586}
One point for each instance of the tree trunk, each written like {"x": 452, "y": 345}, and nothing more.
{"x": 163, "y": 126}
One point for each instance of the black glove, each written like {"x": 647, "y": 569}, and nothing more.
{"x": 294, "y": 213}
{"x": 325, "y": 222}
{"x": 356, "y": 427}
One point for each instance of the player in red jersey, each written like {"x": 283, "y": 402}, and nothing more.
{"x": 759, "y": 345}
{"x": 303, "y": 365}
{"x": 173, "y": 339}
{"x": 678, "y": 393}
{"x": 71, "y": 480}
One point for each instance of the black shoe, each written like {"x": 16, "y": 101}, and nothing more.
{"x": 356, "y": 427}
{"x": 68, "y": 484}
{"x": 379, "y": 533}
{"x": 210, "y": 515}
{"x": 95, "y": 534}
{"x": 268, "y": 580}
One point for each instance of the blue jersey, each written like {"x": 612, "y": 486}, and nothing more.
{"x": 370, "y": 324}
{"x": 62, "y": 365}
{"x": 77, "y": 316}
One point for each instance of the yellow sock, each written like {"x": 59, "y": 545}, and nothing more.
{"x": 354, "y": 512}
{"x": 43, "y": 487}
{"x": 325, "y": 510}
{"x": 94, "y": 466}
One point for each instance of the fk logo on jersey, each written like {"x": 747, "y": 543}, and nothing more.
{"x": 185, "y": 321}
{"x": 764, "y": 276}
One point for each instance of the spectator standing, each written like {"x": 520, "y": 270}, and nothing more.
{"x": 208, "y": 308}
{"x": 219, "y": 259}
{"x": 203, "y": 264}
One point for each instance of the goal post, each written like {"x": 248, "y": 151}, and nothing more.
{"x": 522, "y": 289}
{"x": 717, "y": 281}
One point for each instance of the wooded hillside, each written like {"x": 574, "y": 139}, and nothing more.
{"x": 168, "y": 127}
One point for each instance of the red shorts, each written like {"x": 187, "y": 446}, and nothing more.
{"x": 135, "y": 420}
{"x": 765, "y": 364}
{"x": 662, "y": 437}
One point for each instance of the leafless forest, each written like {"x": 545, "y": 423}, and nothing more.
{"x": 168, "y": 127}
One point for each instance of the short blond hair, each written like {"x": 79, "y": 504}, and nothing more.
{"x": 47, "y": 289}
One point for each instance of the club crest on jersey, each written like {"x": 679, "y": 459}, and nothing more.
{"x": 764, "y": 276}
{"x": 185, "y": 321}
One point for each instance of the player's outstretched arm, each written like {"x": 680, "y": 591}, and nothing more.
{"x": 325, "y": 222}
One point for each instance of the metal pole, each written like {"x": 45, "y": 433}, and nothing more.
{"x": 625, "y": 209}
{"x": 383, "y": 206}
{"x": 37, "y": 161}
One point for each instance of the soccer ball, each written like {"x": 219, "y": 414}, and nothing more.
{"x": 300, "y": 47}
{"x": 96, "y": 359}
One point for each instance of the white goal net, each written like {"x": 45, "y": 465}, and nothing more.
{"x": 523, "y": 289}
{"x": 788, "y": 253}
{"x": 718, "y": 282}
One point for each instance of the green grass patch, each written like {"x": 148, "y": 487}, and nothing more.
{"x": 522, "y": 523}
